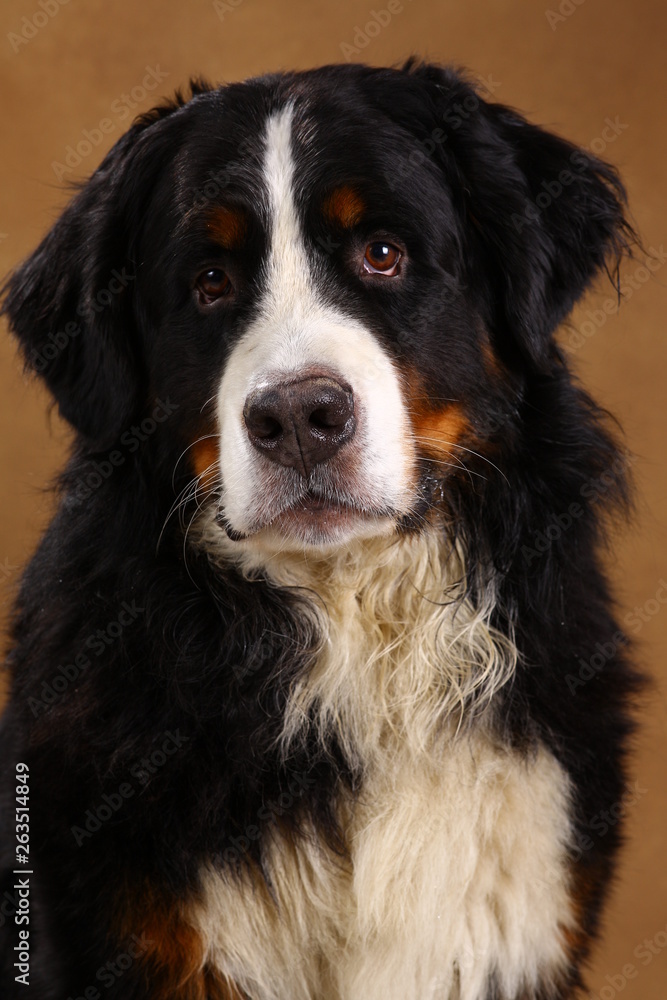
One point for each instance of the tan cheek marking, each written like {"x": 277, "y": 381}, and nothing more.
{"x": 437, "y": 432}
{"x": 205, "y": 458}
{"x": 343, "y": 207}
{"x": 228, "y": 226}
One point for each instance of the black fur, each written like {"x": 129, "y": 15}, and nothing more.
{"x": 208, "y": 655}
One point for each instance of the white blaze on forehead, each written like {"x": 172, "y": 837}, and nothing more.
{"x": 289, "y": 281}
{"x": 296, "y": 331}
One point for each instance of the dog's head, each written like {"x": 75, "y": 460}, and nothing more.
{"x": 343, "y": 278}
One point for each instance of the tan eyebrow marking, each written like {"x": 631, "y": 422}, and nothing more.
{"x": 344, "y": 206}
{"x": 228, "y": 226}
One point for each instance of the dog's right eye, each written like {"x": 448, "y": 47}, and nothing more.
{"x": 212, "y": 285}
{"x": 381, "y": 257}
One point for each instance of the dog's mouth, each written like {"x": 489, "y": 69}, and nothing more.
{"x": 331, "y": 510}
{"x": 316, "y": 509}
{"x": 313, "y": 516}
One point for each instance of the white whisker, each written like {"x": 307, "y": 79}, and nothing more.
{"x": 452, "y": 444}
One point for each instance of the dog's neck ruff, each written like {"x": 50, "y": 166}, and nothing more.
{"x": 404, "y": 656}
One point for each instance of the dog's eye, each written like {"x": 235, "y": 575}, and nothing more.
{"x": 212, "y": 284}
{"x": 382, "y": 258}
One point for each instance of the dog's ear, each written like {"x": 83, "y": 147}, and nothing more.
{"x": 70, "y": 303}
{"x": 546, "y": 215}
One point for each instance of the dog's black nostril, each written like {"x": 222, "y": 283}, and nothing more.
{"x": 321, "y": 418}
{"x": 333, "y": 413}
{"x": 301, "y": 424}
{"x": 264, "y": 414}
{"x": 266, "y": 427}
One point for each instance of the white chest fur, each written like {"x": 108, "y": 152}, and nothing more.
{"x": 457, "y": 870}
{"x": 458, "y": 873}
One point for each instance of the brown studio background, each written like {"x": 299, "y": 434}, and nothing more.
{"x": 570, "y": 65}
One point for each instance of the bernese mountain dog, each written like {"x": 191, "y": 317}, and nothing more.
{"x": 316, "y": 688}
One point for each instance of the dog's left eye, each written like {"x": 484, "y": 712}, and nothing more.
{"x": 213, "y": 284}
{"x": 382, "y": 258}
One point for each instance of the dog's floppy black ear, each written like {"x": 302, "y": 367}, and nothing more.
{"x": 547, "y": 215}
{"x": 70, "y": 303}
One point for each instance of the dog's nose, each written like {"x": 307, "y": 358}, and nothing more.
{"x": 301, "y": 424}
